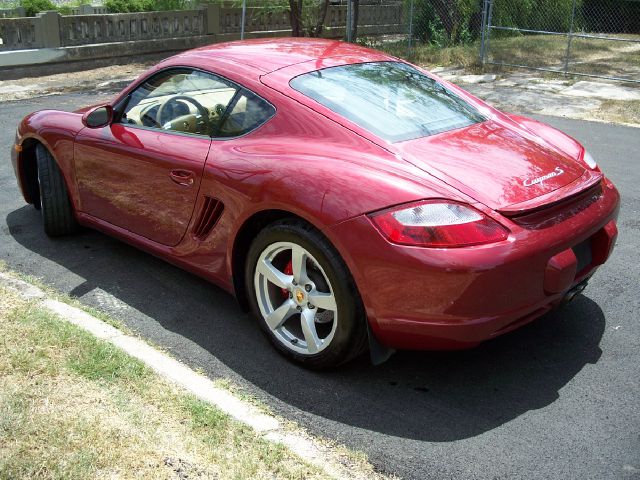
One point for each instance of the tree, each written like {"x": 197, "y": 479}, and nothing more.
{"x": 454, "y": 16}
{"x": 308, "y": 17}
{"x": 447, "y": 22}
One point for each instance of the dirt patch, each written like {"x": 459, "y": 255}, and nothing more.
{"x": 105, "y": 78}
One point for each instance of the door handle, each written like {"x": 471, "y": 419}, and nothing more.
{"x": 182, "y": 177}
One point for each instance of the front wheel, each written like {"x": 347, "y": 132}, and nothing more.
{"x": 303, "y": 296}
{"x": 57, "y": 212}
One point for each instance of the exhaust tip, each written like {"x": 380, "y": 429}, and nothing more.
{"x": 571, "y": 294}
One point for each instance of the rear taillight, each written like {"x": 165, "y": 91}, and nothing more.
{"x": 438, "y": 223}
{"x": 589, "y": 160}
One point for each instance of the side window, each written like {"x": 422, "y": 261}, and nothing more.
{"x": 180, "y": 100}
{"x": 247, "y": 112}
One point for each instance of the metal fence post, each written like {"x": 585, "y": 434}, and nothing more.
{"x": 487, "y": 40}
{"x": 485, "y": 7}
{"x": 349, "y": 21}
{"x": 566, "y": 58}
{"x": 244, "y": 16}
{"x": 410, "y": 40}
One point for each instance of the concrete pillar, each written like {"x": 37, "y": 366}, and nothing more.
{"x": 48, "y": 29}
{"x": 212, "y": 26}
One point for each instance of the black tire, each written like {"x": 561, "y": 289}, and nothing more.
{"x": 350, "y": 337}
{"x": 57, "y": 212}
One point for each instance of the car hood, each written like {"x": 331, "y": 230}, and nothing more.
{"x": 501, "y": 166}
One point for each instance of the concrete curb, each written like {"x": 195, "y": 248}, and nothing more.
{"x": 271, "y": 428}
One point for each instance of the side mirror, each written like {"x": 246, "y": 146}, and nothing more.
{"x": 97, "y": 117}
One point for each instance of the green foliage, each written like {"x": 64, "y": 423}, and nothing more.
{"x": 31, "y": 7}
{"x": 444, "y": 23}
{"x": 126, "y": 6}
{"x": 65, "y": 9}
{"x": 546, "y": 15}
{"x": 611, "y": 16}
{"x": 8, "y": 4}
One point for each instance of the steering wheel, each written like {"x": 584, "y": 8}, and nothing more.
{"x": 219, "y": 109}
{"x": 204, "y": 113}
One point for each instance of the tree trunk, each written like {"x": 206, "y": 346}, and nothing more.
{"x": 322, "y": 17}
{"x": 295, "y": 15}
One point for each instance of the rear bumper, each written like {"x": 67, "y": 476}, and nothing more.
{"x": 420, "y": 298}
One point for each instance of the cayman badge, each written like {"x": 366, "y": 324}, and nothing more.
{"x": 535, "y": 181}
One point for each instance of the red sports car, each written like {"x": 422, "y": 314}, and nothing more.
{"x": 348, "y": 198}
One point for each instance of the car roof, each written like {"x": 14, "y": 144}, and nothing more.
{"x": 266, "y": 55}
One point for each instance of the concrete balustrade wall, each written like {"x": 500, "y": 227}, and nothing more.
{"x": 92, "y": 37}
{"x": 85, "y": 29}
{"x": 19, "y": 33}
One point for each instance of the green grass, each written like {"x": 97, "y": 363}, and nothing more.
{"x": 101, "y": 361}
{"x": 73, "y": 406}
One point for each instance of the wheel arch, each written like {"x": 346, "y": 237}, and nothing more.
{"x": 245, "y": 235}
{"x": 28, "y": 170}
{"x": 243, "y": 238}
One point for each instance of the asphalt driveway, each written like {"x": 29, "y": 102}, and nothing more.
{"x": 559, "y": 398}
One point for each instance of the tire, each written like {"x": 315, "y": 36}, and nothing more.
{"x": 318, "y": 325}
{"x": 57, "y": 212}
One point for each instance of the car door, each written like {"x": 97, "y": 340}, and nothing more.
{"x": 142, "y": 173}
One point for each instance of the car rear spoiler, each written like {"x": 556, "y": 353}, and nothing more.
{"x": 562, "y": 194}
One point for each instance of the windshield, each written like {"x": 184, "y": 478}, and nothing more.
{"x": 392, "y": 100}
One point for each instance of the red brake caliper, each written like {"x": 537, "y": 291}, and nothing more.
{"x": 288, "y": 270}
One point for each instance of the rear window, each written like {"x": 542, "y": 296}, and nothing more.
{"x": 392, "y": 100}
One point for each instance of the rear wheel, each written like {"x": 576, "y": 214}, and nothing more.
{"x": 303, "y": 296}
{"x": 57, "y": 212}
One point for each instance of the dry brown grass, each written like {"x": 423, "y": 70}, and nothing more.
{"x": 590, "y": 56}
{"x": 618, "y": 111}
{"x": 429, "y": 55}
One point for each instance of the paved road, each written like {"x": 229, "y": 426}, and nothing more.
{"x": 557, "y": 399}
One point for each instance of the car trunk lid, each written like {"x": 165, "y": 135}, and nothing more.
{"x": 503, "y": 167}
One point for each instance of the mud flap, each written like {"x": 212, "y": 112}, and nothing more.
{"x": 379, "y": 353}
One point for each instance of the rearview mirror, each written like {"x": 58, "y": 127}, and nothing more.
{"x": 97, "y": 117}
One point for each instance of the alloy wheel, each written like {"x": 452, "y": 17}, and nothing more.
{"x": 295, "y": 298}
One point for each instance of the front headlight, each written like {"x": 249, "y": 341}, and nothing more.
{"x": 589, "y": 160}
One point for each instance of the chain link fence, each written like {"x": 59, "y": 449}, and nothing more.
{"x": 593, "y": 38}
{"x": 432, "y": 32}
{"x": 392, "y": 15}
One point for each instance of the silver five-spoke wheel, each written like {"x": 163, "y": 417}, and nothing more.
{"x": 295, "y": 298}
{"x": 302, "y": 293}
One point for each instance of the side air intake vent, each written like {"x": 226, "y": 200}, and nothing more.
{"x": 208, "y": 217}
